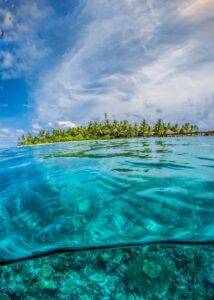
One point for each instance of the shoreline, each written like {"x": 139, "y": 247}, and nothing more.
{"x": 201, "y": 133}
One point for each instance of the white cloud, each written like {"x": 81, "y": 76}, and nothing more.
{"x": 11, "y": 133}
{"x": 5, "y": 131}
{"x": 9, "y": 136}
{"x": 62, "y": 124}
{"x": 7, "y": 59}
{"x": 36, "y": 127}
{"x": 198, "y": 9}
{"x": 20, "y": 132}
{"x": 6, "y": 19}
{"x": 20, "y": 34}
{"x": 123, "y": 65}
{"x": 113, "y": 25}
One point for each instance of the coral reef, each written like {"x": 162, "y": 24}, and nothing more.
{"x": 152, "y": 272}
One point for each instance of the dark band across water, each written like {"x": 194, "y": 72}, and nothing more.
{"x": 104, "y": 247}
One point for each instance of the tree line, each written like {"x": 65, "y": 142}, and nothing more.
{"x": 108, "y": 130}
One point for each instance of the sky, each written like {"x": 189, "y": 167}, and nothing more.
{"x": 64, "y": 63}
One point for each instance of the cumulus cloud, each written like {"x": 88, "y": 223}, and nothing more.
{"x": 9, "y": 136}
{"x": 61, "y": 124}
{"x": 10, "y": 133}
{"x": 36, "y": 127}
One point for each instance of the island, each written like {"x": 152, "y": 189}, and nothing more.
{"x": 108, "y": 129}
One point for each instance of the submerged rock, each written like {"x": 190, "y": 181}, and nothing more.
{"x": 209, "y": 276}
{"x": 154, "y": 272}
{"x": 47, "y": 284}
{"x": 151, "y": 269}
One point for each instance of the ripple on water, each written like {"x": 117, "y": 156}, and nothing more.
{"x": 104, "y": 193}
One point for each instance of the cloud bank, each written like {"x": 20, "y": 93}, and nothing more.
{"x": 133, "y": 59}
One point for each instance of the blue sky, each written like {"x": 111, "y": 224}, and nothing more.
{"x": 67, "y": 62}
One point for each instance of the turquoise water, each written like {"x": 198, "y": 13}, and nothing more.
{"x": 98, "y": 194}
{"x": 141, "y": 273}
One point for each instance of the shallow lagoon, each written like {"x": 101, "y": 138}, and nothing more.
{"x": 115, "y": 193}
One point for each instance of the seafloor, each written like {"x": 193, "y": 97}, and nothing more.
{"x": 151, "y": 272}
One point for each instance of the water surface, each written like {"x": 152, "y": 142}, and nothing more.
{"x": 105, "y": 194}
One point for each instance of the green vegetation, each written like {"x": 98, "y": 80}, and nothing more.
{"x": 108, "y": 130}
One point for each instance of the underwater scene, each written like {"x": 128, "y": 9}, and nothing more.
{"x": 108, "y": 219}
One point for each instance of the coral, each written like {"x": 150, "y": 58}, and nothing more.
{"x": 152, "y": 272}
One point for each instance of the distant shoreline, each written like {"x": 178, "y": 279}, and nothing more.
{"x": 200, "y": 133}
{"x": 112, "y": 129}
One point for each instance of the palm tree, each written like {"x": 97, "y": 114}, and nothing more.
{"x": 175, "y": 128}
{"x": 159, "y": 128}
{"x": 108, "y": 129}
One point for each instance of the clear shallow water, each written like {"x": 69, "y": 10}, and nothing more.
{"x": 105, "y": 193}
{"x": 151, "y": 272}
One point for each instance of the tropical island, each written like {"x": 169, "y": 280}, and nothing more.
{"x": 108, "y": 129}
